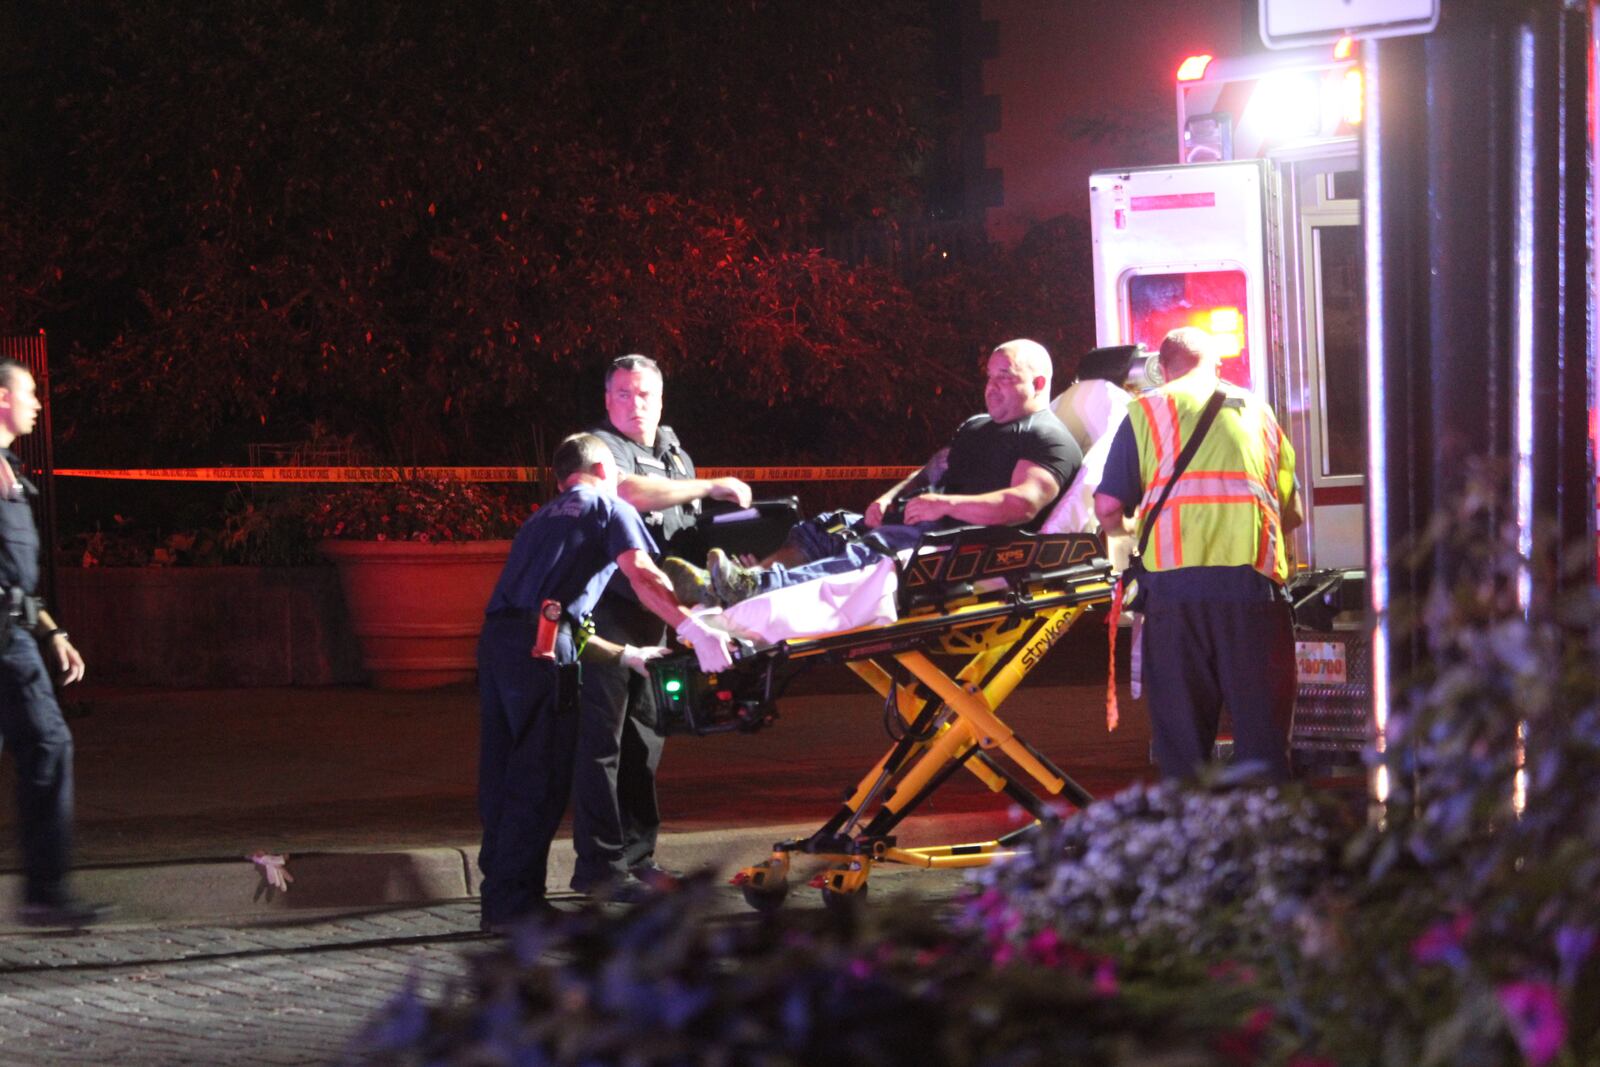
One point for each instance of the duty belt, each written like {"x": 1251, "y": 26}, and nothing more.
{"x": 21, "y": 608}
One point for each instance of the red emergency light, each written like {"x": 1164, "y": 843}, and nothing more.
{"x": 1193, "y": 68}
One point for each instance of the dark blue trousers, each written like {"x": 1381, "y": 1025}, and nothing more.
{"x": 1200, "y": 656}
{"x": 615, "y": 817}
{"x": 528, "y": 718}
{"x": 32, "y": 728}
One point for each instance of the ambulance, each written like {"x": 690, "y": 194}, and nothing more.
{"x": 1254, "y": 235}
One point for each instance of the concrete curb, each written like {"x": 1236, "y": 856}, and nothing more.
{"x": 233, "y": 889}
{"x": 204, "y": 889}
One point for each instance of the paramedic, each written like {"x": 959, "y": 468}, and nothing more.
{"x": 1218, "y": 625}
{"x": 529, "y": 695}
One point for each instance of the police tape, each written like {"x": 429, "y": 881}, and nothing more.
{"x": 315, "y": 475}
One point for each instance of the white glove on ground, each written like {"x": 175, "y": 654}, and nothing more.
{"x": 710, "y": 646}
{"x": 638, "y": 660}
{"x": 274, "y": 869}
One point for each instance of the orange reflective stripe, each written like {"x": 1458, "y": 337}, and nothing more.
{"x": 1235, "y": 481}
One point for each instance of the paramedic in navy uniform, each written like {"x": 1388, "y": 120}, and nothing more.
{"x": 31, "y": 725}
{"x": 529, "y": 703}
{"x": 614, "y": 815}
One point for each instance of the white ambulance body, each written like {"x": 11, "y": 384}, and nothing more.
{"x": 1255, "y": 237}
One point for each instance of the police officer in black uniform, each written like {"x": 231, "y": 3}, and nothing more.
{"x": 31, "y": 726}
{"x": 615, "y": 818}
{"x": 529, "y": 678}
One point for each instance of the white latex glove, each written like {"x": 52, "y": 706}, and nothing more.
{"x": 638, "y": 660}
{"x": 710, "y": 646}
{"x": 274, "y": 870}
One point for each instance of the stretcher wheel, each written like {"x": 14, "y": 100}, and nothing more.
{"x": 844, "y": 903}
{"x": 766, "y": 899}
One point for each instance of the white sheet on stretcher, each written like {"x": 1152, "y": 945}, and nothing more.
{"x": 827, "y": 605}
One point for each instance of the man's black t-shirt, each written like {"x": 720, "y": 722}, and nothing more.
{"x": 984, "y": 453}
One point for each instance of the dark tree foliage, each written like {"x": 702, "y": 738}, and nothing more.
{"x": 430, "y": 225}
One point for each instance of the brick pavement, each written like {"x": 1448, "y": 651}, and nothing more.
{"x": 259, "y": 994}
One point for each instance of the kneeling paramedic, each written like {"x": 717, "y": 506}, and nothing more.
{"x": 528, "y": 671}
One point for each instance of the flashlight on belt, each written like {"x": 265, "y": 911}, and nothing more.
{"x": 544, "y": 642}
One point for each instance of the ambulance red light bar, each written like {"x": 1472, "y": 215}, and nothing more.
{"x": 1193, "y": 68}
{"x": 1344, "y": 48}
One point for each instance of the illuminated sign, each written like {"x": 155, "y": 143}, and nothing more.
{"x": 1292, "y": 23}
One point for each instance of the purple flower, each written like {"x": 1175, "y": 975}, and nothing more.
{"x": 1533, "y": 1011}
{"x": 1574, "y": 945}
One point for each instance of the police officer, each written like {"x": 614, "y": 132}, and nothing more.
{"x": 31, "y": 725}
{"x": 1217, "y": 628}
{"x": 529, "y": 679}
{"x": 615, "y": 818}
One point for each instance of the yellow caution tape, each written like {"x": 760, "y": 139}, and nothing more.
{"x": 312, "y": 475}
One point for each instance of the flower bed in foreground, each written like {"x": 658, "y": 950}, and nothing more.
{"x": 1167, "y": 926}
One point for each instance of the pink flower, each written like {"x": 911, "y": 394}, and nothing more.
{"x": 1045, "y": 947}
{"x": 1533, "y": 1012}
{"x": 988, "y": 901}
{"x": 1105, "y": 977}
{"x": 1442, "y": 942}
{"x": 1243, "y": 1046}
{"x": 1232, "y": 971}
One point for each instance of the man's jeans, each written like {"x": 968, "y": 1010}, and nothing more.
{"x": 837, "y": 542}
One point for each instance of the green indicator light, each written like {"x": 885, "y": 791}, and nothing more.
{"x": 673, "y": 686}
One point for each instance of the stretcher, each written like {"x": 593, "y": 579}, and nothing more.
{"x": 978, "y": 609}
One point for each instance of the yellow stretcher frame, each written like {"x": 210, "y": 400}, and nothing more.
{"x": 1000, "y": 600}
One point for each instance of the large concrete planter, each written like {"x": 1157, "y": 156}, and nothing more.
{"x": 209, "y": 627}
{"x": 416, "y": 609}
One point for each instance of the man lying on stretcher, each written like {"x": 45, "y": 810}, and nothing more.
{"x": 1005, "y": 468}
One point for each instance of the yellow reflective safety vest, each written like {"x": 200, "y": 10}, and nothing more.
{"x": 1226, "y": 508}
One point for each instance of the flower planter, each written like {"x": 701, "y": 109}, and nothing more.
{"x": 416, "y": 608}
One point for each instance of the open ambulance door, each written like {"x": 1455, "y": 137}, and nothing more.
{"x": 1323, "y": 312}
{"x": 1185, "y": 246}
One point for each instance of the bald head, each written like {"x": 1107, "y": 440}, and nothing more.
{"x": 1030, "y": 358}
{"x": 1018, "y": 383}
{"x": 1185, "y": 349}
